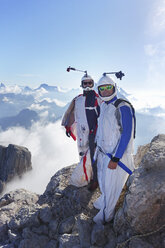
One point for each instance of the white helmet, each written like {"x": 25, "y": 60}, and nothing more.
{"x": 105, "y": 80}
{"x": 85, "y": 79}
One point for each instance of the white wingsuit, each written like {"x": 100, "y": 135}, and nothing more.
{"x": 81, "y": 117}
{"x": 110, "y": 139}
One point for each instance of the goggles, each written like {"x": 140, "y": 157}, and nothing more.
{"x": 106, "y": 87}
{"x": 90, "y": 83}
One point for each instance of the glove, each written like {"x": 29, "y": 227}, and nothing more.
{"x": 68, "y": 132}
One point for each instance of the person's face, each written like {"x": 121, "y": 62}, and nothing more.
{"x": 106, "y": 90}
{"x": 87, "y": 84}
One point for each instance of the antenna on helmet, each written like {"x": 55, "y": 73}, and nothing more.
{"x": 119, "y": 74}
{"x": 74, "y": 69}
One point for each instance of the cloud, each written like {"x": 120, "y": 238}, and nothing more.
{"x": 56, "y": 101}
{"x": 59, "y": 103}
{"x": 155, "y": 48}
{"x": 50, "y": 148}
{"x": 36, "y": 106}
{"x": 158, "y": 20}
{"x": 156, "y": 65}
{"x": 44, "y": 114}
{"x": 11, "y": 89}
{"x": 150, "y": 50}
{"x": 5, "y": 99}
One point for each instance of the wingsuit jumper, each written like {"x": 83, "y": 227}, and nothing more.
{"x": 114, "y": 150}
{"x": 80, "y": 121}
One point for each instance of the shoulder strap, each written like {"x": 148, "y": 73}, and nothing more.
{"x": 120, "y": 100}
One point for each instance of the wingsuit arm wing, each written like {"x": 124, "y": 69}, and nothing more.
{"x": 68, "y": 118}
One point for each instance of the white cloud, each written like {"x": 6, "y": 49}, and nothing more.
{"x": 158, "y": 21}
{"x": 156, "y": 18}
{"x": 36, "y": 106}
{"x": 56, "y": 101}
{"x": 155, "y": 49}
{"x": 50, "y": 148}
{"x": 44, "y": 114}
{"x": 150, "y": 49}
{"x": 59, "y": 103}
{"x": 11, "y": 89}
{"x": 156, "y": 74}
{"x": 39, "y": 93}
{"x": 156, "y": 63}
{"x": 5, "y": 99}
{"x": 141, "y": 99}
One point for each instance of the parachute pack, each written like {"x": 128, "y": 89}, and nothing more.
{"x": 120, "y": 100}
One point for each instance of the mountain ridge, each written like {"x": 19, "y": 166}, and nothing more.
{"x": 62, "y": 216}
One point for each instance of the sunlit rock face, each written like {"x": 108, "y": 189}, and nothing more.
{"x": 63, "y": 215}
{"x": 14, "y": 161}
{"x": 143, "y": 210}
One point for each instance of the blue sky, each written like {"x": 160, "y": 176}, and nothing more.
{"x": 39, "y": 39}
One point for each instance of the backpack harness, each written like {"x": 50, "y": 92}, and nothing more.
{"x": 116, "y": 104}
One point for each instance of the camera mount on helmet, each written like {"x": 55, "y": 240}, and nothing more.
{"x": 119, "y": 74}
{"x": 86, "y": 79}
{"x": 74, "y": 69}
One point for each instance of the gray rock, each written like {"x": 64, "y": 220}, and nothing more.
{"x": 42, "y": 229}
{"x": 26, "y": 243}
{"x": 94, "y": 246}
{"x": 2, "y": 185}
{"x": 39, "y": 241}
{"x": 139, "y": 243}
{"x": 53, "y": 228}
{"x": 67, "y": 225}
{"x": 3, "y": 228}
{"x": 154, "y": 158}
{"x": 142, "y": 150}
{"x": 10, "y": 204}
{"x": 52, "y": 244}
{"x": 14, "y": 161}
{"x": 84, "y": 227}
{"x": 19, "y": 197}
{"x": 10, "y": 209}
{"x": 98, "y": 236}
{"x": 45, "y": 215}
{"x": 66, "y": 200}
{"x": 26, "y": 216}
{"x": 7, "y": 246}
{"x": 143, "y": 208}
{"x": 111, "y": 236}
{"x": 27, "y": 233}
{"x": 12, "y": 236}
{"x": 68, "y": 241}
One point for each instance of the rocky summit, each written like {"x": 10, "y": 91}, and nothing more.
{"x": 62, "y": 217}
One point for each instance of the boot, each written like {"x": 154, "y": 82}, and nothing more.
{"x": 93, "y": 185}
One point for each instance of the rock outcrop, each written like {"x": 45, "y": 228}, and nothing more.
{"x": 14, "y": 161}
{"x": 62, "y": 216}
{"x": 143, "y": 211}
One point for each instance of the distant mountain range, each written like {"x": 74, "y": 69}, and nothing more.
{"x": 25, "y": 118}
{"x": 22, "y": 106}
